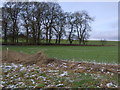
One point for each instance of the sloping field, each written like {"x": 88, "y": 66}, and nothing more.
{"x": 55, "y": 73}
{"x": 41, "y": 59}
{"x": 60, "y": 66}
{"x": 102, "y": 54}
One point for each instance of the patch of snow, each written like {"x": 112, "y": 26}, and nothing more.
{"x": 65, "y": 73}
{"x": 59, "y": 85}
{"x": 88, "y": 70}
{"x": 109, "y": 84}
{"x": 33, "y": 81}
{"x": 13, "y": 65}
{"x": 50, "y": 86}
{"x": 19, "y": 83}
{"x": 20, "y": 65}
{"x": 65, "y": 66}
{"x": 1, "y": 85}
{"x": 2, "y": 82}
{"x": 80, "y": 67}
{"x": 44, "y": 79}
{"x": 12, "y": 86}
{"x": 98, "y": 86}
{"x": 32, "y": 75}
{"x": 115, "y": 86}
{"x": 7, "y": 67}
{"x": 108, "y": 72}
{"x": 112, "y": 74}
{"x": 52, "y": 71}
{"x": 71, "y": 81}
{"x": 7, "y": 75}
{"x": 101, "y": 84}
{"x": 102, "y": 70}
{"x": 23, "y": 68}
{"x": 50, "y": 65}
{"x": 91, "y": 68}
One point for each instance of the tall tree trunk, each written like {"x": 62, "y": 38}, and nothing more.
{"x": 46, "y": 35}
{"x": 39, "y": 34}
{"x": 5, "y": 34}
{"x": 59, "y": 40}
{"x": 27, "y": 35}
{"x": 38, "y": 37}
{"x": 33, "y": 32}
{"x": 50, "y": 36}
{"x": 13, "y": 36}
{"x": 80, "y": 41}
{"x": 17, "y": 36}
{"x": 56, "y": 41}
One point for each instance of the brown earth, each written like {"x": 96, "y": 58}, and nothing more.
{"x": 21, "y": 58}
{"x": 40, "y": 59}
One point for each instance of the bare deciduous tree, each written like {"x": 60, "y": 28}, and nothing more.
{"x": 47, "y": 20}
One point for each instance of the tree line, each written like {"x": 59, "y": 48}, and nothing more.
{"x": 37, "y": 21}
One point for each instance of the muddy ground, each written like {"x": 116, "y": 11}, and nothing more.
{"x": 40, "y": 59}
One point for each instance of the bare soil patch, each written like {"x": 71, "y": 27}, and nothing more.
{"x": 22, "y": 58}
{"x": 40, "y": 59}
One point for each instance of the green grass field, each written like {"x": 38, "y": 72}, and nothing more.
{"x": 30, "y": 76}
{"x": 89, "y": 42}
{"x": 101, "y": 54}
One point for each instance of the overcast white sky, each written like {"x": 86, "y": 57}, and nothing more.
{"x": 105, "y": 25}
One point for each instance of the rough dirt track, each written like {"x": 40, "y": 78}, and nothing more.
{"x": 40, "y": 59}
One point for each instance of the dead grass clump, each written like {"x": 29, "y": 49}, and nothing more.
{"x": 13, "y": 56}
{"x": 21, "y": 58}
{"x": 38, "y": 58}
